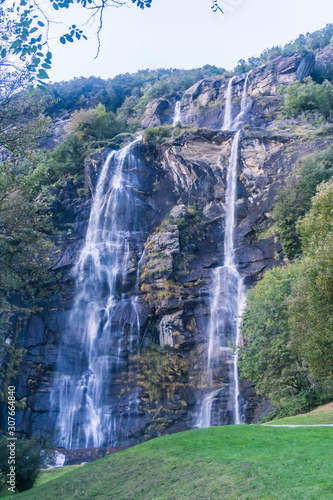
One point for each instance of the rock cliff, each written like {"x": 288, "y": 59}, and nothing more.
{"x": 180, "y": 188}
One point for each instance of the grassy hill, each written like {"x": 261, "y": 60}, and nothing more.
{"x": 229, "y": 462}
{"x": 321, "y": 415}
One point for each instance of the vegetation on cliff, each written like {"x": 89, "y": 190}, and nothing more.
{"x": 295, "y": 199}
{"x": 304, "y": 43}
{"x": 288, "y": 320}
{"x": 25, "y": 227}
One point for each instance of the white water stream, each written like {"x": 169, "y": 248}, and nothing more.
{"x": 104, "y": 319}
{"x": 228, "y": 293}
{"x": 177, "y": 114}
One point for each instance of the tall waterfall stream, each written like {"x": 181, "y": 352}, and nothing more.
{"x": 228, "y": 294}
{"x": 103, "y": 318}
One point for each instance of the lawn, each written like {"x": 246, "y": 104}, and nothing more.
{"x": 229, "y": 462}
{"x": 321, "y": 415}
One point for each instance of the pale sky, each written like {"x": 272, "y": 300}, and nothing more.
{"x": 185, "y": 34}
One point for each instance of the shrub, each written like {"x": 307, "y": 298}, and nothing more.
{"x": 29, "y": 458}
{"x": 295, "y": 200}
{"x": 309, "y": 97}
{"x": 156, "y": 135}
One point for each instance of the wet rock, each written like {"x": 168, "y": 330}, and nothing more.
{"x": 179, "y": 190}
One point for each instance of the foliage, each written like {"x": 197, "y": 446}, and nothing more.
{"x": 126, "y": 94}
{"x": 90, "y": 130}
{"x": 289, "y": 316}
{"x": 317, "y": 224}
{"x": 234, "y": 462}
{"x": 295, "y": 200}
{"x": 309, "y": 97}
{"x": 96, "y": 124}
{"x": 25, "y": 228}
{"x": 267, "y": 357}
{"x": 25, "y": 245}
{"x": 162, "y": 372}
{"x": 30, "y": 455}
{"x": 311, "y": 305}
{"x": 316, "y": 417}
{"x": 156, "y": 135}
{"x": 304, "y": 43}
{"x": 300, "y": 403}
{"x": 46, "y": 169}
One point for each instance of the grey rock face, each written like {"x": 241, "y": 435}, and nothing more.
{"x": 180, "y": 197}
{"x": 202, "y": 105}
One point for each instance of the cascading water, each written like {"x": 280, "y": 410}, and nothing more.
{"x": 228, "y": 107}
{"x": 104, "y": 327}
{"x": 177, "y": 114}
{"x": 228, "y": 296}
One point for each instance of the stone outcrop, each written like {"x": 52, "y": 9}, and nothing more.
{"x": 158, "y": 112}
{"x": 180, "y": 191}
{"x": 203, "y": 104}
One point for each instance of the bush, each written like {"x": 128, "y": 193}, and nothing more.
{"x": 67, "y": 159}
{"x": 29, "y": 458}
{"x": 300, "y": 403}
{"x": 295, "y": 200}
{"x": 309, "y": 97}
{"x": 156, "y": 135}
{"x": 96, "y": 124}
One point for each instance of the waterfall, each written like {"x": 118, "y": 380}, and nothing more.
{"x": 177, "y": 114}
{"x": 228, "y": 295}
{"x": 228, "y": 123}
{"x": 239, "y": 119}
{"x": 228, "y": 107}
{"x": 103, "y": 327}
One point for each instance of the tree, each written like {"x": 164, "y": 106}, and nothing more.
{"x": 25, "y": 228}
{"x": 309, "y": 97}
{"x": 295, "y": 200}
{"x": 311, "y": 305}
{"x": 316, "y": 226}
{"x": 267, "y": 357}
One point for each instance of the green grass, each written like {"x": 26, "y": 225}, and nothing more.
{"x": 47, "y": 475}
{"x": 229, "y": 462}
{"x": 44, "y": 477}
{"x": 313, "y": 418}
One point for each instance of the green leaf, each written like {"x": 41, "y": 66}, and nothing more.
{"x": 42, "y": 74}
{"x": 40, "y": 23}
{"x": 62, "y": 40}
{"x": 3, "y": 53}
{"x": 33, "y": 30}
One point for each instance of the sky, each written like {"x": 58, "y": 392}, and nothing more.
{"x": 183, "y": 34}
